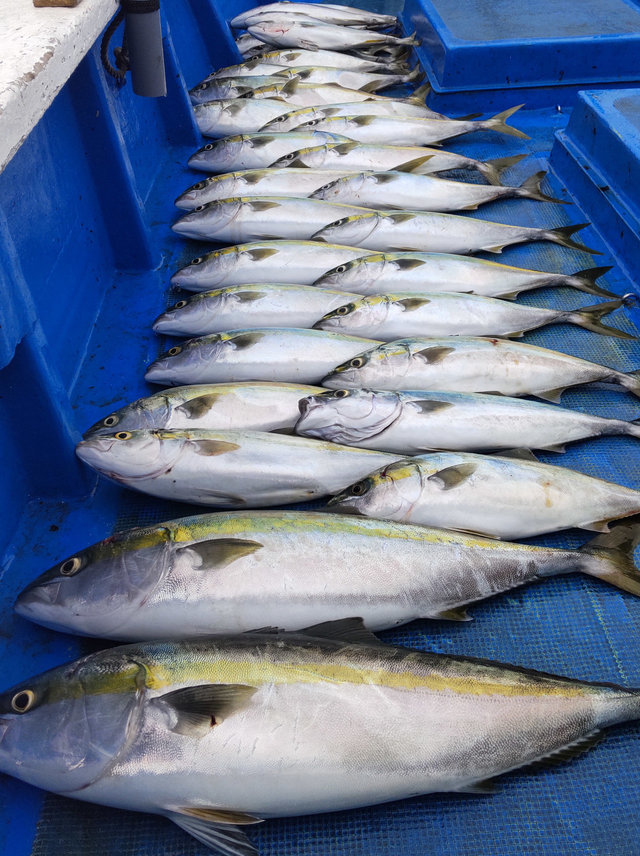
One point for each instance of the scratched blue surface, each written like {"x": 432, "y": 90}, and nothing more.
{"x": 573, "y": 626}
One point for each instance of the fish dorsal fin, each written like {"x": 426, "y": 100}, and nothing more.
{"x": 430, "y": 406}
{"x": 200, "y": 708}
{"x": 351, "y": 630}
{"x": 261, "y": 253}
{"x": 412, "y": 165}
{"x": 194, "y": 408}
{"x": 433, "y": 355}
{"x": 222, "y": 838}
{"x": 409, "y": 304}
{"x": 220, "y": 552}
{"x": 458, "y": 613}
{"x": 408, "y": 264}
{"x": 210, "y": 448}
{"x": 247, "y": 340}
{"x": 451, "y": 477}
{"x": 518, "y": 455}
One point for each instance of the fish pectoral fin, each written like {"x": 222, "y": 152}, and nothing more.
{"x": 220, "y": 552}
{"x": 484, "y": 786}
{"x": 458, "y": 613}
{"x": 451, "y": 477}
{"x": 433, "y": 355}
{"x": 220, "y": 837}
{"x": 194, "y": 408}
{"x": 351, "y": 630}
{"x": 554, "y": 447}
{"x": 212, "y": 447}
{"x": 429, "y": 405}
{"x": 552, "y": 395}
{"x": 518, "y": 454}
{"x": 200, "y": 708}
{"x": 597, "y": 526}
{"x": 410, "y": 304}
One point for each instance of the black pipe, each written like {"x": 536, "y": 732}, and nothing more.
{"x": 143, "y": 37}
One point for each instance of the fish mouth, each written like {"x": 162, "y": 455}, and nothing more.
{"x": 183, "y": 201}
{"x": 35, "y": 595}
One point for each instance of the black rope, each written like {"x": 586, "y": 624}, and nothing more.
{"x": 121, "y": 60}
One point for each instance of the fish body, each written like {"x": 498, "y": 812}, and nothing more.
{"x": 359, "y": 80}
{"x": 219, "y": 731}
{"x": 494, "y": 496}
{"x": 466, "y": 364}
{"x": 257, "y": 306}
{"x": 280, "y": 355}
{"x": 237, "y": 115}
{"x": 299, "y": 262}
{"x": 405, "y": 190}
{"x": 405, "y": 314}
{"x": 301, "y": 94}
{"x": 253, "y": 406}
{"x": 439, "y": 233}
{"x": 412, "y": 423}
{"x": 228, "y": 469}
{"x": 296, "y": 57}
{"x": 230, "y": 572}
{"x": 316, "y": 35}
{"x": 248, "y": 46}
{"x": 252, "y": 218}
{"x": 292, "y": 121}
{"x": 331, "y": 14}
{"x": 255, "y": 182}
{"x": 251, "y": 151}
{"x": 378, "y": 273}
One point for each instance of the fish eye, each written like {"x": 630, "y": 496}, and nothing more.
{"x": 23, "y": 701}
{"x": 289, "y": 156}
{"x": 197, "y": 261}
{"x": 71, "y": 566}
{"x": 208, "y": 147}
{"x": 313, "y": 122}
{"x": 344, "y": 310}
{"x": 173, "y": 351}
{"x": 180, "y": 304}
{"x": 357, "y": 363}
{"x": 341, "y": 268}
{"x": 341, "y": 393}
{"x": 359, "y": 488}
{"x": 123, "y": 435}
{"x": 341, "y": 222}
{"x": 199, "y": 208}
{"x": 200, "y": 185}
{"x": 203, "y": 86}
{"x": 110, "y": 421}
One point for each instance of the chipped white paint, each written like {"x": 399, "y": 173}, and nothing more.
{"x": 39, "y": 50}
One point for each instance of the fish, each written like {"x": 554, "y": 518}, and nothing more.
{"x": 255, "y": 182}
{"x": 284, "y": 355}
{"x": 257, "y": 306}
{"x": 467, "y": 364}
{"x": 440, "y": 233}
{"x": 261, "y": 725}
{"x": 377, "y": 273}
{"x": 252, "y": 218}
{"x": 252, "y": 405}
{"x": 315, "y": 35}
{"x": 237, "y": 115}
{"x": 331, "y": 14}
{"x": 404, "y": 314}
{"x": 302, "y": 94}
{"x": 229, "y": 572}
{"x": 296, "y": 57}
{"x": 360, "y": 80}
{"x": 391, "y": 107}
{"x": 251, "y": 151}
{"x": 495, "y": 496}
{"x": 224, "y": 88}
{"x": 227, "y": 469}
{"x": 248, "y": 46}
{"x": 406, "y": 190}
{"x": 403, "y": 131}
{"x": 411, "y": 423}
{"x": 414, "y": 159}
{"x": 298, "y": 262}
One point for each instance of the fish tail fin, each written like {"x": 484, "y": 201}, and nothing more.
{"x": 410, "y": 40}
{"x": 562, "y": 235}
{"x": 613, "y": 553}
{"x": 589, "y": 318}
{"x": 585, "y": 280}
{"x": 499, "y": 123}
{"x": 530, "y": 189}
{"x": 631, "y": 429}
{"x": 492, "y": 169}
{"x": 630, "y": 381}
{"x": 415, "y": 75}
{"x": 420, "y": 95}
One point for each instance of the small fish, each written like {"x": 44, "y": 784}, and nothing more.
{"x": 405, "y": 314}
{"x": 406, "y": 190}
{"x": 249, "y": 727}
{"x": 255, "y": 182}
{"x": 228, "y": 572}
{"x": 298, "y": 262}
{"x": 331, "y": 14}
{"x": 222, "y": 88}
{"x": 253, "y": 406}
{"x": 305, "y": 115}
{"x": 401, "y": 131}
{"x": 364, "y": 81}
{"x": 315, "y": 35}
{"x": 461, "y": 364}
{"x": 228, "y": 469}
{"x": 377, "y": 273}
{"x": 252, "y": 218}
{"x": 281, "y": 355}
{"x": 499, "y": 497}
{"x": 414, "y": 159}
{"x": 440, "y": 233}
{"x": 253, "y": 151}
{"x": 237, "y": 115}
{"x": 257, "y": 306}
{"x": 411, "y": 423}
